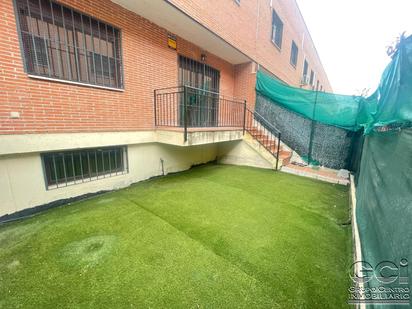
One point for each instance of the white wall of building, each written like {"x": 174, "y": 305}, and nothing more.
{"x": 22, "y": 183}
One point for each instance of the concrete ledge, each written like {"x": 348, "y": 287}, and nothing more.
{"x": 32, "y": 143}
{"x": 200, "y": 137}
{"x": 289, "y": 170}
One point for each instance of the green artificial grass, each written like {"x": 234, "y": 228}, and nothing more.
{"x": 212, "y": 237}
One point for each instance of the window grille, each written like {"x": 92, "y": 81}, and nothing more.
{"x": 59, "y": 42}
{"x": 62, "y": 169}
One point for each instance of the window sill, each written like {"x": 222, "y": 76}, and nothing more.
{"x": 85, "y": 180}
{"x": 293, "y": 65}
{"x": 74, "y": 83}
{"x": 277, "y": 46}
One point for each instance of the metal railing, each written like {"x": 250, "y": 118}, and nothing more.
{"x": 190, "y": 107}
{"x": 264, "y": 132}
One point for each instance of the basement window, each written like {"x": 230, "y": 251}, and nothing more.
{"x": 60, "y": 43}
{"x": 62, "y": 169}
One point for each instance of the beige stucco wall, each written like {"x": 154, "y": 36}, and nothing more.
{"x": 22, "y": 182}
{"x": 31, "y": 143}
{"x": 242, "y": 153}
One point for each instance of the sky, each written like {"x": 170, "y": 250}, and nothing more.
{"x": 352, "y": 36}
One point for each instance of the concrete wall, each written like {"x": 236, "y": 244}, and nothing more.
{"x": 241, "y": 153}
{"x": 22, "y": 182}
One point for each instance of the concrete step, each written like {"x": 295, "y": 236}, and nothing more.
{"x": 285, "y": 157}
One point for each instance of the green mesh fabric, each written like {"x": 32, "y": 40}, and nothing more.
{"x": 390, "y": 104}
{"x": 384, "y": 201}
{"x": 324, "y": 127}
{"x": 316, "y": 142}
{"x": 336, "y": 110}
{"x": 384, "y": 184}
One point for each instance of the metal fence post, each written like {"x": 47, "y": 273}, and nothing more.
{"x": 154, "y": 106}
{"x": 185, "y": 112}
{"x": 277, "y": 152}
{"x": 312, "y": 129}
{"x": 244, "y": 118}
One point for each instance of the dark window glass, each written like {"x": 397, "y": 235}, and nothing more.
{"x": 71, "y": 167}
{"x": 294, "y": 54}
{"x": 61, "y": 43}
{"x": 312, "y": 77}
{"x": 277, "y": 30}
{"x": 305, "y": 69}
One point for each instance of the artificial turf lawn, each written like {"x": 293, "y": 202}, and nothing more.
{"x": 214, "y": 236}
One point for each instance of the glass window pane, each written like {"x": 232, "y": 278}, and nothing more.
{"x": 62, "y": 43}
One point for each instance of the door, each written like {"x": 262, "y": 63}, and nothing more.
{"x": 202, "y": 99}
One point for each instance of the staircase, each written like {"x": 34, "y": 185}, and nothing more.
{"x": 267, "y": 136}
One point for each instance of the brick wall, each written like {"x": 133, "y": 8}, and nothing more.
{"x": 148, "y": 64}
{"x": 248, "y": 26}
{"x": 52, "y": 107}
{"x": 245, "y": 81}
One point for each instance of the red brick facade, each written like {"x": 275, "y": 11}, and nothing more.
{"x": 148, "y": 64}
{"x": 248, "y": 26}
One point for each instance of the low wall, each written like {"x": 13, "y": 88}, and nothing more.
{"x": 22, "y": 182}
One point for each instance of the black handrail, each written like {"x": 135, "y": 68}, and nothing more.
{"x": 267, "y": 123}
{"x": 186, "y": 106}
{"x": 264, "y": 132}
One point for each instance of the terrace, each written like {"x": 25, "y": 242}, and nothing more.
{"x": 208, "y": 237}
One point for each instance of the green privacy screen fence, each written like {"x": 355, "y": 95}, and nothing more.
{"x": 331, "y": 124}
{"x": 321, "y": 127}
{"x": 384, "y": 208}
{"x": 384, "y": 184}
{"x": 324, "y": 127}
{"x": 314, "y": 141}
{"x": 388, "y": 105}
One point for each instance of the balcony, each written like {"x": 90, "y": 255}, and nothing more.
{"x": 208, "y": 117}
{"x": 187, "y": 109}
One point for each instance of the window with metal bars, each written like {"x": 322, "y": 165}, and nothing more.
{"x": 60, "y": 43}
{"x": 66, "y": 168}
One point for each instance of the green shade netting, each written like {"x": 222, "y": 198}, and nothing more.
{"x": 390, "y": 104}
{"x": 384, "y": 202}
{"x": 331, "y": 109}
